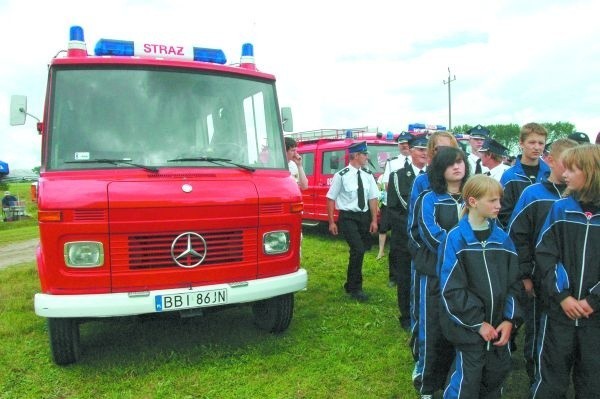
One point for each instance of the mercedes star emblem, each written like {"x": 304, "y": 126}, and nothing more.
{"x": 188, "y": 249}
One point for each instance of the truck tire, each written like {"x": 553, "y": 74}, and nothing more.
{"x": 64, "y": 340}
{"x": 274, "y": 314}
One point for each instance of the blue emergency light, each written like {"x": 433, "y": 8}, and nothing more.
{"x": 213, "y": 55}
{"x": 76, "y": 33}
{"x": 247, "y": 50}
{"x": 76, "y": 47}
{"x": 114, "y": 47}
{"x": 389, "y": 136}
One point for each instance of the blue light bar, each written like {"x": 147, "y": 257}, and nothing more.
{"x": 114, "y": 47}
{"x": 413, "y": 126}
{"x": 76, "y": 33}
{"x": 348, "y": 134}
{"x": 214, "y": 55}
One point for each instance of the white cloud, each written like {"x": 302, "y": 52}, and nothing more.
{"x": 341, "y": 65}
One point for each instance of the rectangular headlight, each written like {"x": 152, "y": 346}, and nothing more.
{"x": 276, "y": 242}
{"x": 84, "y": 254}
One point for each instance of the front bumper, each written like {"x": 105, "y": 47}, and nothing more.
{"x": 136, "y": 303}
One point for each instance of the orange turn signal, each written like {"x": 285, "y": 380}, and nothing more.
{"x": 49, "y": 216}
{"x": 296, "y": 207}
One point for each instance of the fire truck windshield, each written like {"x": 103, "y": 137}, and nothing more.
{"x": 138, "y": 117}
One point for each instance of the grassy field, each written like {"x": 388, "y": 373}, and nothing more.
{"x": 334, "y": 348}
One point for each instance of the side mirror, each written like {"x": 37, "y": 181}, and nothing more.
{"x": 18, "y": 110}
{"x": 287, "y": 120}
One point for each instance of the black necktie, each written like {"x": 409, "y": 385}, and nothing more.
{"x": 421, "y": 171}
{"x": 478, "y": 166}
{"x": 361, "y": 193}
{"x": 406, "y": 163}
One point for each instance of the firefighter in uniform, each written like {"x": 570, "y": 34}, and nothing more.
{"x": 398, "y": 194}
{"x": 354, "y": 193}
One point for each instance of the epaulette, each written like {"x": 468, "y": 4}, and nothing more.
{"x": 392, "y": 158}
{"x": 343, "y": 171}
{"x": 366, "y": 170}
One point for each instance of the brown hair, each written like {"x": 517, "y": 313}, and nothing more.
{"x": 433, "y": 139}
{"x": 585, "y": 157}
{"x": 477, "y": 187}
{"x": 532, "y": 128}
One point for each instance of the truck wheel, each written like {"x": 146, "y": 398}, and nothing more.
{"x": 64, "y": 340}
{"x": 274, "y": 314}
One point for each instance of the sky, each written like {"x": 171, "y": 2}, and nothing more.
{"x": 341, "y": 64}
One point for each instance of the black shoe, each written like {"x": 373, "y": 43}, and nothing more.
{"x": 359, "y": 296}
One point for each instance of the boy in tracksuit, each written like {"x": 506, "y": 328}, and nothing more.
{"x": 524, "y": 228}
{"x": 480, "y": 286}
{"x": 568, "y": 256}
{"x": 528, "y": 169}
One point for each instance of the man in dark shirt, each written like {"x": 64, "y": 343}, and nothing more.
{"x": 398, "y": 195}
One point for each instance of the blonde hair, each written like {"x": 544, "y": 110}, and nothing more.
{"x": 532, "y": 128}
{"x": 560, "y": 145}
{"x": 585, "y": 157}
{"x": 433, "y": 139}
{"x": 478, "y": 186}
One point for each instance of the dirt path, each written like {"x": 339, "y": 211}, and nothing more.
{"x": 18, "y": 252}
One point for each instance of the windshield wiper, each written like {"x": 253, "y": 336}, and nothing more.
{"x": 116, "y": 162}
{"x": 214, "y": 161}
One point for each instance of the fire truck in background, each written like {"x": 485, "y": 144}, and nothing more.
{"x": 164, "y": 188}
{"x": 325, "y": 151}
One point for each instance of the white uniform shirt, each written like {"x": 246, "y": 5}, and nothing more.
{"x": 294, "y": 170}
{"x": 497, "y": 171}
{"x": 473, "y": 164}
{"x": 393, "y": 164}
{"x": 344, "y": 189}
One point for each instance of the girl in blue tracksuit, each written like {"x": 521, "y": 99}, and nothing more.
{"x": 480, "y": 286}
{"x": 439, "y": 212}
{"x": 420, "y": 187}
{"x": 568, "y": 257}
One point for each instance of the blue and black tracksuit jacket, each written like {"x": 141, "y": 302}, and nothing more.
{"x": 514, "y": 180}
{"x": 568, "y": 256}
{"x": 527, "y": 220}
{"x": 438, "y": 214}
{"x": 479, "y": 282}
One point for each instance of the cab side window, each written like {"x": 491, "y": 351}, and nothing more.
{"x": 333, "y": 161}
{"x": 308, "y": 163}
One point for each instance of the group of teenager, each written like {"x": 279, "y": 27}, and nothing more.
{"x": 477, "y": 250}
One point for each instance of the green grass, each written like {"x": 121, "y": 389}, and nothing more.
{"x": 334, "y": 348}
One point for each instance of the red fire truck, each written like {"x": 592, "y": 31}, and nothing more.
{"x": 325, "y": 151}
{"x": 163, "y": 188}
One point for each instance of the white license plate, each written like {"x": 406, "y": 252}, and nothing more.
{"x": 192, "y": 299}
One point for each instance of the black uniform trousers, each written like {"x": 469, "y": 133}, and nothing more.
{"x": 355, "y": 228}
{"x": 399, "y": 261}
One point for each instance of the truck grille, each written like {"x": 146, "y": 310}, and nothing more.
{"x": 153, "y": 251}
